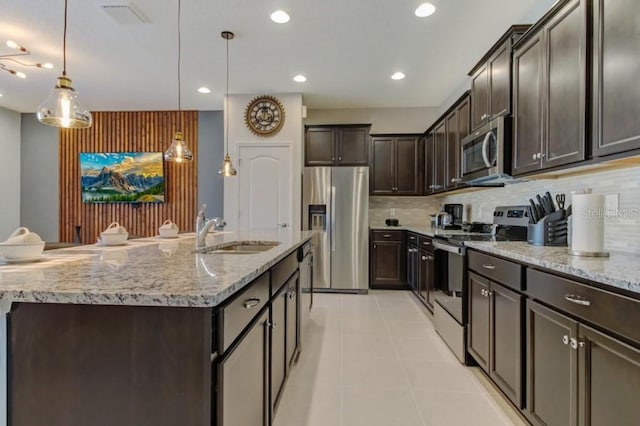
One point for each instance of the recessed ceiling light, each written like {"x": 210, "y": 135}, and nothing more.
{"x": 425, "y": 9}
{"x": 47, "y": 65}
{"x": 397, "y": 76}
{"x": 12, "y": 44}
{"x": 204, "y": 90}
{"x": 299, "y": 78}
{"x": 21, "y": 74}
{"x": 280, "y": 17}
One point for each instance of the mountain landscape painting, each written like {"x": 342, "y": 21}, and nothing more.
{"x": 122, "y": 177}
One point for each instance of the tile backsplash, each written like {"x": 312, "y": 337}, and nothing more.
{"x": 408, "y": 210}
{"x": 622, "y": 230}
{"x": 622, "y": 227}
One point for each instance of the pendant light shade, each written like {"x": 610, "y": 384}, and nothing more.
{"x": 227, "y": 169}
{"x": 178, "y": 151}
{"x": 62, "y": 108}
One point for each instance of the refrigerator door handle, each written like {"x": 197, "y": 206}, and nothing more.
{"x": 333, "y": 218}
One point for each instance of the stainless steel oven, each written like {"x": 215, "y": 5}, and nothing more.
{"x": 486, "y": 153}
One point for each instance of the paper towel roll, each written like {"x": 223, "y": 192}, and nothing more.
{"x": 587, "y": 223}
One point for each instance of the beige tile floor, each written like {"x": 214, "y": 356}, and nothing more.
{"x": 376, "y": 360}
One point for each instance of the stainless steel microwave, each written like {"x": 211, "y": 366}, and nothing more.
{"x": 486, "y": 153}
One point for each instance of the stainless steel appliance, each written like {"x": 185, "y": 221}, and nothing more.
{"x": 486, "y": 154}
{"x": 456, "y": 211}
{"x": 450, "y": 299}
{"x": 335, "y": 200}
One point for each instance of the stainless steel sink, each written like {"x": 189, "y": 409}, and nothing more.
{"x": 244, "y": 247}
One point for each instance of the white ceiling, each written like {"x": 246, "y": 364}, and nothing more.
{"x": 347, "y": 48}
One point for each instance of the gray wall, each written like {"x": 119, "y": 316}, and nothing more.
{"x": 9, "y": 172}
{"x": 210, "y": 156}
{"x": 39, "y": 176}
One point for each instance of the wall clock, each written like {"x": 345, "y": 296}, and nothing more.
{"x": 264, "y": 115}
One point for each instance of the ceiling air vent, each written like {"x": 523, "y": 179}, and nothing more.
{"x": 124, "y": 14}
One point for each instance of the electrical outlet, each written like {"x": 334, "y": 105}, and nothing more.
{"x": 612, "y": 204}
{"x": 392, "y": 212}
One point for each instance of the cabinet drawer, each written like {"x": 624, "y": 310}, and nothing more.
{"x": 425, "y": 243}
{"x": 237, "y": 314}
{"x": 282, "y": 271}
{"x": 617, "y": 313}
{"x": 412, "y": 238}
{"x": 502, "y": 271}
{"x": 387, "y": 235}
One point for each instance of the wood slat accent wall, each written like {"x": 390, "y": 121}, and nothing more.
{"x": 128, "y": 132}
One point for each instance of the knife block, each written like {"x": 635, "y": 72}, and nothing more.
{"x": 551, "y": 230}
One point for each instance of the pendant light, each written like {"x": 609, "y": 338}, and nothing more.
{"x": 227, "y": 168}
{"x": 178, "y": 151}
{"x": 62, "y": 108}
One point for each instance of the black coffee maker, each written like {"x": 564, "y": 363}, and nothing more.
{"x": 456, "y": 211}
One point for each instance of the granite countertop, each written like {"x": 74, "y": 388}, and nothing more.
{"x": 420, "y": 229}
{"x": 145, "y": 272}
{"x": 620, "y": 270}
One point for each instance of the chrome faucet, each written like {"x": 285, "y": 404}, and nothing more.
{"x": 203, "y": 225}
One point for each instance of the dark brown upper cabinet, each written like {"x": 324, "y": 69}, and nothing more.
{"x": 616, "y": 67}
{"x": 442, "y": 148}
{"x": 457, "y": 129}
{"x": 396, "y": 165}
{"x": 550, "y": 76}
{"x": 346, "y": 145}
{"x": 491, "y": 80}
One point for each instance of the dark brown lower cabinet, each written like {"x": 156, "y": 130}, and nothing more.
{"x": 578, "y": 375}
{"x": 388, "y": 265}
{"x": 426, "y": 278}
{"x": 293, "y": 312}
{"x": 278, "y": 345}
{"x": 609, "y": 379}
{"x": 495, "y": 334}
{"x": 243, "y": 379}
{"x": 552, "y": 386}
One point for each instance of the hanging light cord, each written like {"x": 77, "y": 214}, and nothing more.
{"x": 179, "y": 85}
{"x": 227, "y": 102}
{"x": 64, "y": 42}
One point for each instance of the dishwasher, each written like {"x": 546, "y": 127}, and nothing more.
{"x": 305, "y": 258}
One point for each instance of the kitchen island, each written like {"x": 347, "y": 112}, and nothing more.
{"x": 130, "y": 335}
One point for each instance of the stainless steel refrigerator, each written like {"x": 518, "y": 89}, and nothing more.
{"x": 335, "y": 200}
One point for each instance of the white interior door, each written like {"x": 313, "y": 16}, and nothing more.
{"x": 265, "y": 193}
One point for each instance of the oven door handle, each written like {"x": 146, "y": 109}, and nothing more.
{"x": 448, "y": 248}
{"x": 485, "y": 151}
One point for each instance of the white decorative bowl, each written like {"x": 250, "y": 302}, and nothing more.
{"x": 168, "y": 233}
{"x": 22, "y": 251}
{"x": 108, "y": 239}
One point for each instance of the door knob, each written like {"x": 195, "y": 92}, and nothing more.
{"x": 283, "y": 225}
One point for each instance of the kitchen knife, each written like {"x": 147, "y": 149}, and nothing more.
{"x": 531, "y": 216}
{"x": 533, "y": 211}
{"x": 541, "y": 203}
{"x": 550, "y": 201}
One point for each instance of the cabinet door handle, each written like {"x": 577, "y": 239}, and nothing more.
{"x": 274, "y": 324}
{"x": 387, "y": 235}
{"x": 425, "y": 258}
{"x": 426, "y": 243}
{"x": 534, "y": 157}
{"x": 292, "y": 294}
{"x": 339, "y": 158}
{"x": 333, "y": 158}
{"x": 483, "y": 292}
{"x": 574, "y": 343}
{"x": 489, "y": 266}
{"x": 251, "y": 303}
{"x": 577, "y": 300}
{"x": 565, "y": 339}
